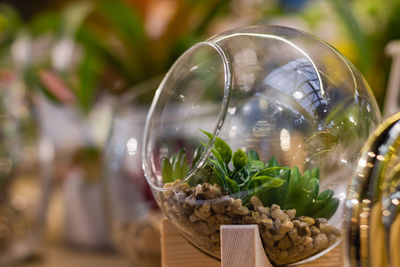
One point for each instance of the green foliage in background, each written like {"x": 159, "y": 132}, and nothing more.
{"x": 112, "y": 48}
{"x": 10, "y": 23}
{"x": 363, "y": 29}
{"x": 112, "y": 35}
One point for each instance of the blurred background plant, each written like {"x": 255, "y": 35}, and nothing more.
{"x": 78, "y": 59}
{"x": 114, "y": 45}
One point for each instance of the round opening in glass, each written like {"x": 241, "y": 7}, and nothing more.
{"x": 184, "y": 112}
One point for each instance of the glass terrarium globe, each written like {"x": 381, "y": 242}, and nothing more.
{"x": 258, "y": 125}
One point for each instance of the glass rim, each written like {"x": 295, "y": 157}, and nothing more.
{"x": 149, "y": 171}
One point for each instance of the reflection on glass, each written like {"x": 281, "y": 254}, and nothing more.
{"x": 373, "y": 221}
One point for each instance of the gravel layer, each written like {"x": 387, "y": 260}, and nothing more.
{"x": 199, "y": 211}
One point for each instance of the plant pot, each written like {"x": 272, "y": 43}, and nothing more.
{"x": 259, "y": 125}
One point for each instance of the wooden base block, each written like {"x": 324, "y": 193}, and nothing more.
{"x": 241, "y": 247}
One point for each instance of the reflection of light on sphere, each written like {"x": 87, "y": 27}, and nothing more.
{"x": 132, "y": 146}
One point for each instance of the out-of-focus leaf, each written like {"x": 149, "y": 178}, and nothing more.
{"x": 74, "y": 15}
{"x": 261, "y": 185}
{"x": 124, "y": 19}
{"x": 10, "y": 20}
{"x": 10, "y": 24}
{"x": 328, "y": 210}
{"x": 343, "y": 10}
{"x": 89, "y": 73}
{"x": 221, "y": 147}
{"x": 166, "y": 171}
{"x": 92, "y": 41}
{"x": 272, "y": 163}
{"x": 239, "y": 159}
{"x": 252, "y": 155}
{"x": 45, "y": 22}
{"x": 232, "y": 185}
{"x": 61, "y": 24}
{"x": 216, "y": 8}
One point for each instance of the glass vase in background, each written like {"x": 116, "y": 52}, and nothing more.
{"x": 133, "y": 212}
{"x": 24, "y": 185}
{"x": 77, "y": 140}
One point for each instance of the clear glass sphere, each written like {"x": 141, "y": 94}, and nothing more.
{"x": 258, "y": 125}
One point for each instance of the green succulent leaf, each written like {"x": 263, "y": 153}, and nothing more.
{"x": 179, "y": 165}
{"x": 308, "y": 194}
{"x": 239, "y": 159}
{"x": 281, "y": 192}
{"x": 252, "y": 155}
{"x": 321, "y": 201}
{"x": 221, "y": 146}
{"x": 261, "y": 184}
{"x": 294, "y": 183}
{"x": 174, "y": 158}
{"x": 183, "y": 164}
{"x": 204, "y": 175}
{"x": 328, "y": 210}
{"x": 219, "y": 159}
{"x": 325, "y": 196}
{"x": 315, "y": 173}
{"x": 255, "y": 166}
{"x": 219, "y": 174}
{"x": 215, "y": 179}
{"x": 166, "y": 171}
{"x": 272, "y": 163}
{"x": 271, "y": 171}
{"x": 232, "y": 185}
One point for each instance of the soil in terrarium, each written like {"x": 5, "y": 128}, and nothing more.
{"x": 291, "y": 213}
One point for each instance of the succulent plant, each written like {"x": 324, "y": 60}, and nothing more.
{"x": 271, "y": 183}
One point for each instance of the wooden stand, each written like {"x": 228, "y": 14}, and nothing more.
{"x": 240, "y": 247}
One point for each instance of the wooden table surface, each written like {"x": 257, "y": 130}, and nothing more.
{"x": 54, "y": 252}
{"x": 63, "y": 256}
